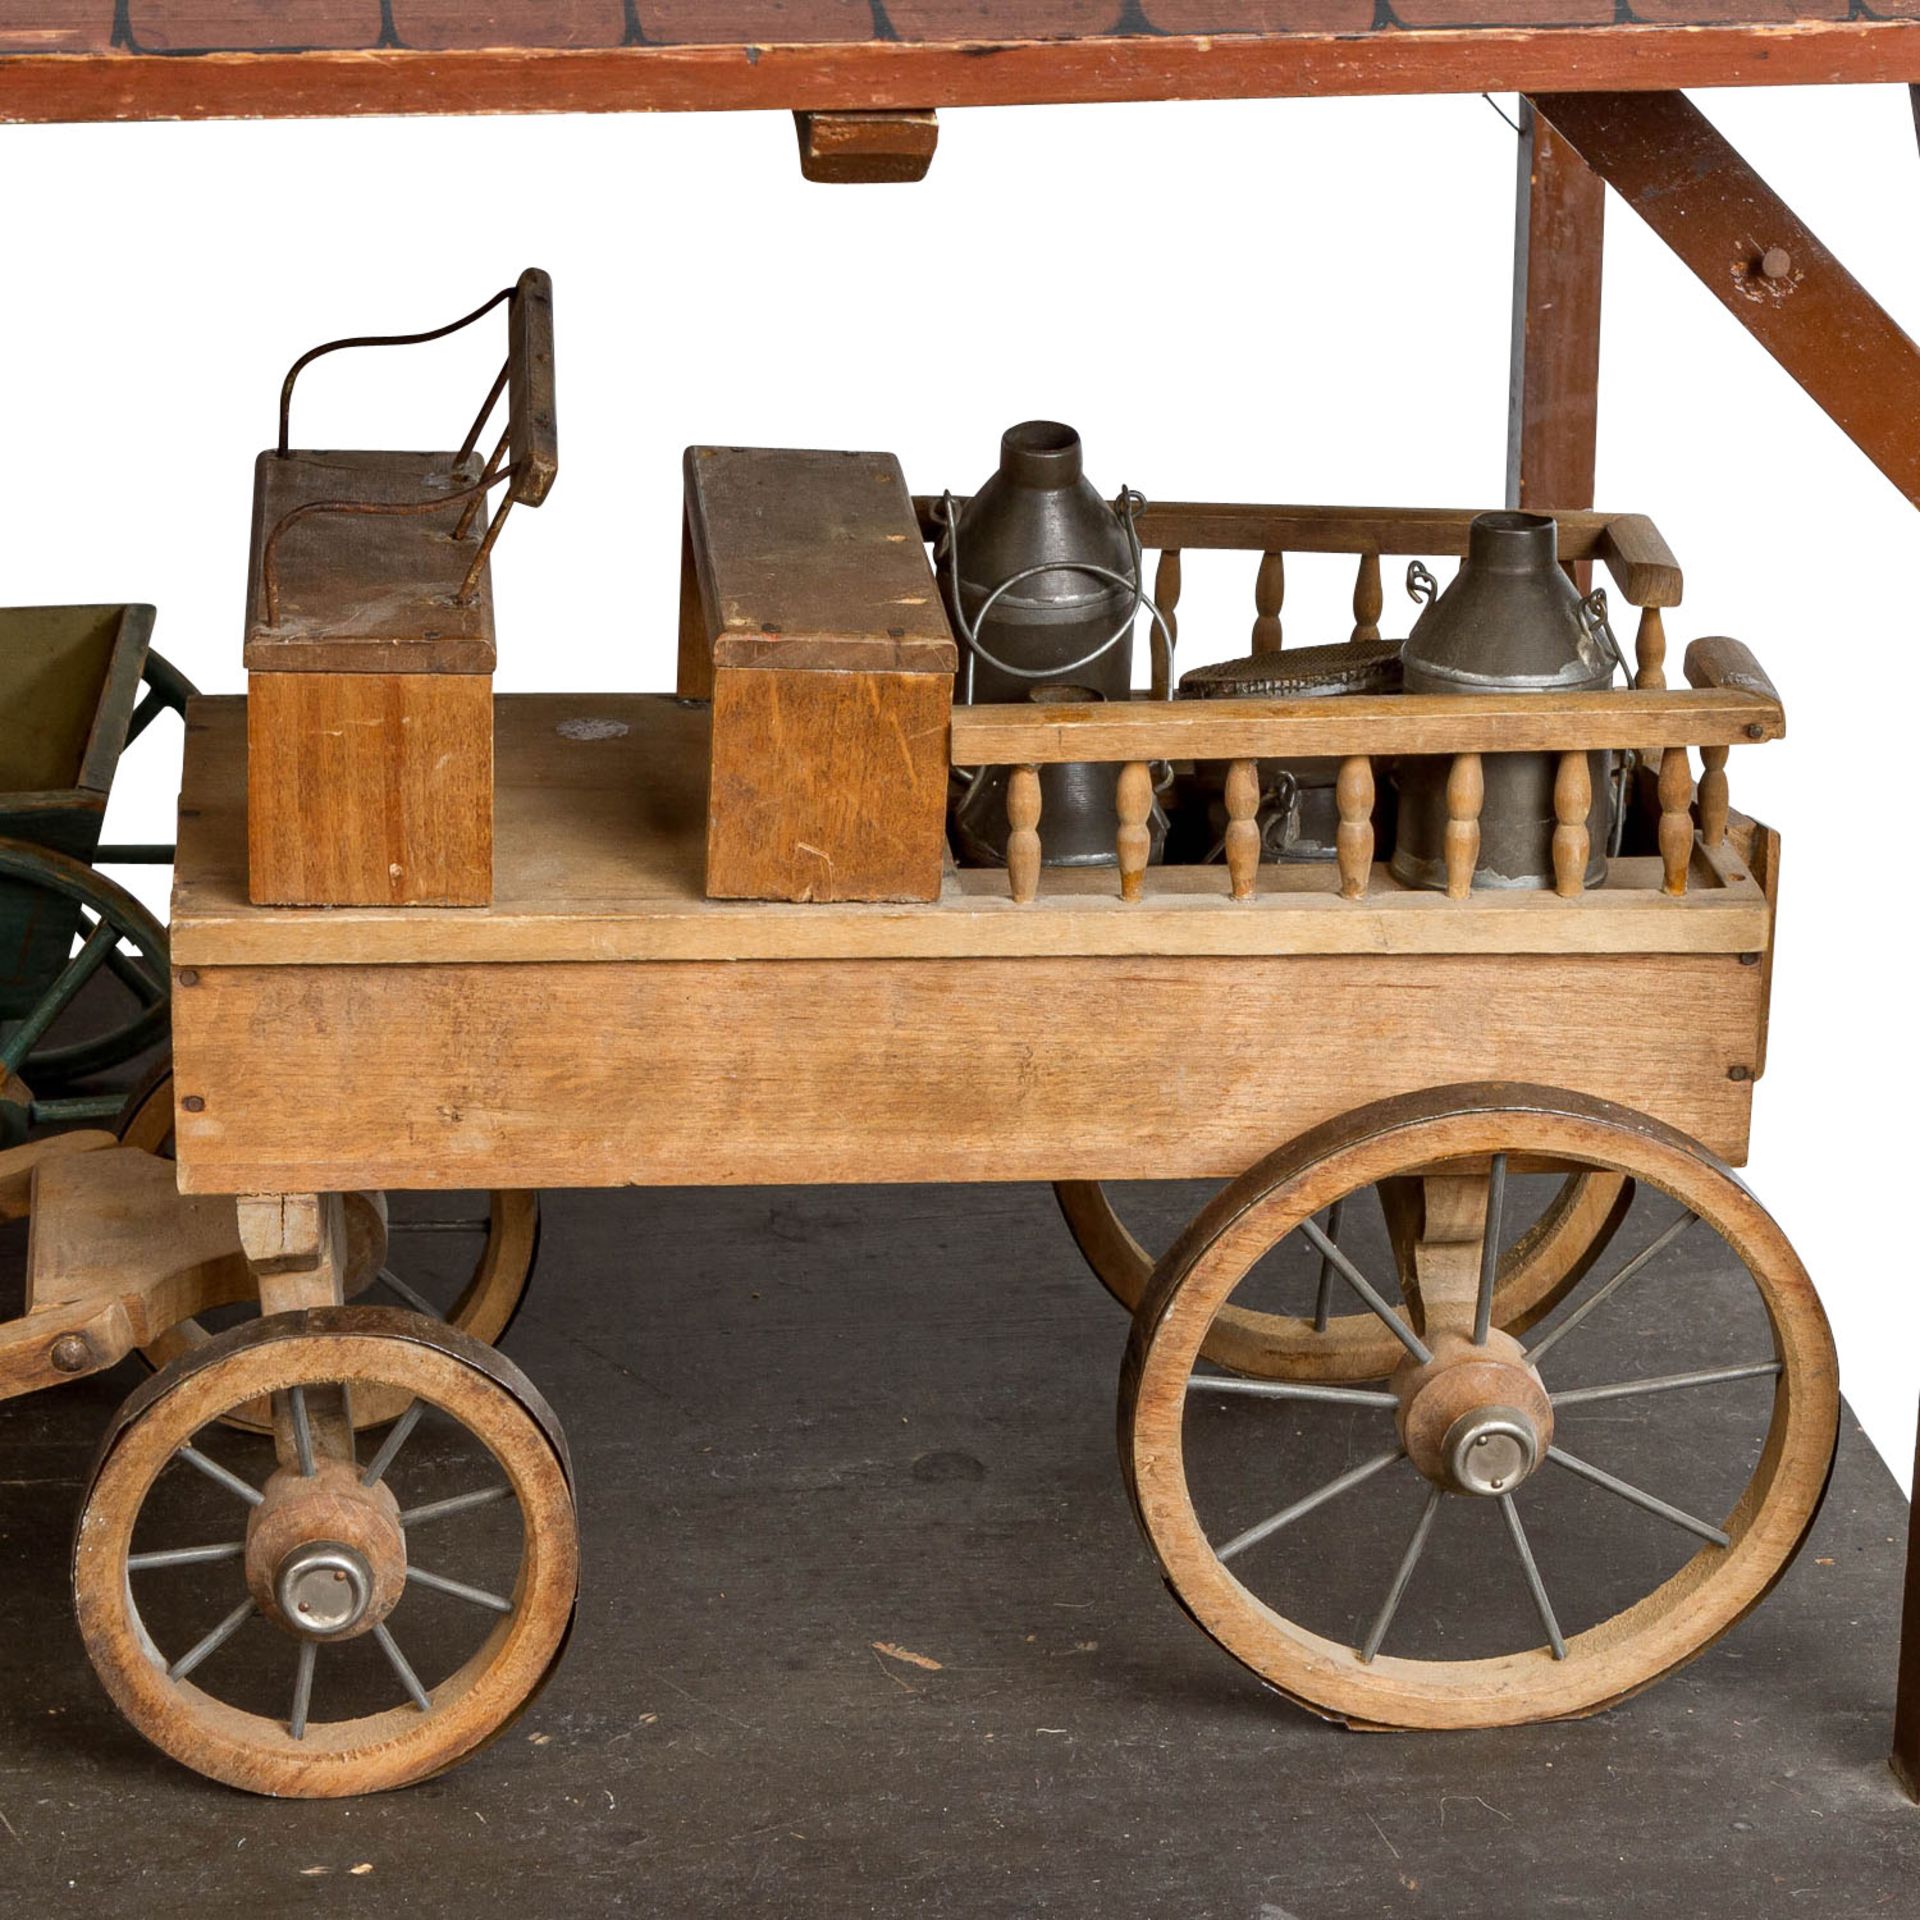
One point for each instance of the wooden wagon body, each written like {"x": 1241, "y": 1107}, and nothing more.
{"x": 603, "y": 1023}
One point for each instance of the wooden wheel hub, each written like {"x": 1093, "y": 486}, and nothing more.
{"x": 1474, "y": 1419}
{"x": 326, "y": 1556}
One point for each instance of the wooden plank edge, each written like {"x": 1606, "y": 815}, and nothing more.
{"x": 39, "y": 88}
{"x": 1375, "y": 724}
{"x": 1706, "y": 920}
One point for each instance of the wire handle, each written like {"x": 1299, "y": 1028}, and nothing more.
{"x": 1125, "y": 507}
{"x": 1593, "y": 616}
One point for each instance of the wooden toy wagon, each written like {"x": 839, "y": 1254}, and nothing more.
{"x": 333, "y": 1549}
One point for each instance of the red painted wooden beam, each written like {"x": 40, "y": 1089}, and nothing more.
{"x": 1760, "y": 261}
{"x": 1552, "y": 408}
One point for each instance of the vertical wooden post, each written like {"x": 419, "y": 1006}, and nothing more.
{"x": 1353, "y": 841}
{"x": 1269, "y": 596}
{"x": 1243, "y": 827}
{"x": 1023, "y": 837}
{"x": 1369, "y": 599}
{"x": 1713, "y": 795}
{"x": 1166, "y": 596}
{"x": 1572, "y": 843}
{"x": 1650, "y": 652}
{"x": 1676, "y": 818}
{"x": 1559, "y": 226}
{"x": 1466, "y": 794}
{"x": 1134, "y": 842}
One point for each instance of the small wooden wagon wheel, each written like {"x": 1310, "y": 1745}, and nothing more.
{"x": 118, "y": 936}
{"x": 285, "y": 1616}
{"x": 1470, "y": 1417}
{"x": 1538, "y": 1268}
{"x": 401, "y": 1256}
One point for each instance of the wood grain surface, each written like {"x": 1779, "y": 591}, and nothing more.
{"x": 370, "y": 789}
{"x": 131, "y": 59}
{"x": 600, "y": 845}
{"x": 766, "y": 1072}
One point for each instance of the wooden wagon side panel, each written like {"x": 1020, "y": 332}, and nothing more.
{"x": 311, "y": 1078}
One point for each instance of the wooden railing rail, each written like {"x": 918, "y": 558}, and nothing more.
{"x": 1731, "y": 702}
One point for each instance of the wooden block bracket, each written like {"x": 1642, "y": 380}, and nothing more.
{"x": 866, "y": 147}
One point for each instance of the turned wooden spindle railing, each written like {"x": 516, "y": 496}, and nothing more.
{"x": 1353, "y": 838}
{"x": 1369, "y": 598}
{"x": 1133, "y": 843}
{"x": 1166, "y": 596}
{"x": 1356, "y": 730}
{"x": 1242, "y": 845}
{"x": 1628, "y": 545}
{"x": 1729, "y": 702}
{"x": 1269, "y": 597}
{"x": 1572, "y": 843}
{"x": 1466, "y": 794}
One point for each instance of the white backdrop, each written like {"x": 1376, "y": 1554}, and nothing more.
{"x": 1290, "y": 301}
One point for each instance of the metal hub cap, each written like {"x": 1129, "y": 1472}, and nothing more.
{"x": 1491, "y": 1450}
{"x": 324, "y": 1588}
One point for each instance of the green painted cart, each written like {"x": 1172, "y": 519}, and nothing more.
{"x": 78, "y": 685}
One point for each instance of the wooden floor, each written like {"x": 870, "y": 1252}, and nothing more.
{"x": 867, "y": 1629}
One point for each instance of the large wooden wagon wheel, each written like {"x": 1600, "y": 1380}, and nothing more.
{"x": 1473, "y": 1427}
{"x": 464, "y": 1258}
{"x": 1538, "y": 1267}
{"x": 288, "y": 1616}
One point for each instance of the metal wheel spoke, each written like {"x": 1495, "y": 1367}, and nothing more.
{"x": 1289, "y": 1390}
{"x": 302, "y": 1430}
{"x": 1535, "y": 1585}
{"x": 216, "y": 1472}
{"x": 456, "y": 1503}
{"x": 1398, "y": 1591}
{"x": 1323, "y": 1292}
{"x": 1612, "y": 1287}
{"x": 387, "y": 1278}
{"x": 494, "y": 1602}
{"x": 134, "y": 976}
{"x": 153, "y": 703}
{"x": 186, "y": 1556}
{"x": 213, "y": 1642}
{"x": 1627, "y": 1491}
{"x": 398, "y": 1661}
{"x": 303, "y": 1688}
{"x": 1318, "y": 1498}
{"x": 51, "y": 1004}
{"x": 395, "y": 1440}
{"x": 1490, "y": 1249}
{"x": 1664, "y": 1383}
{"x": 1368, "y": 1292}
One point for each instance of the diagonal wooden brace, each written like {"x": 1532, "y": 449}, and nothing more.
{"x": 1666, "y": 160}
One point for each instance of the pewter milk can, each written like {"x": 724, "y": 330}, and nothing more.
{"x": 1041, "y": 583}
{"x": 1511, "y": 621}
